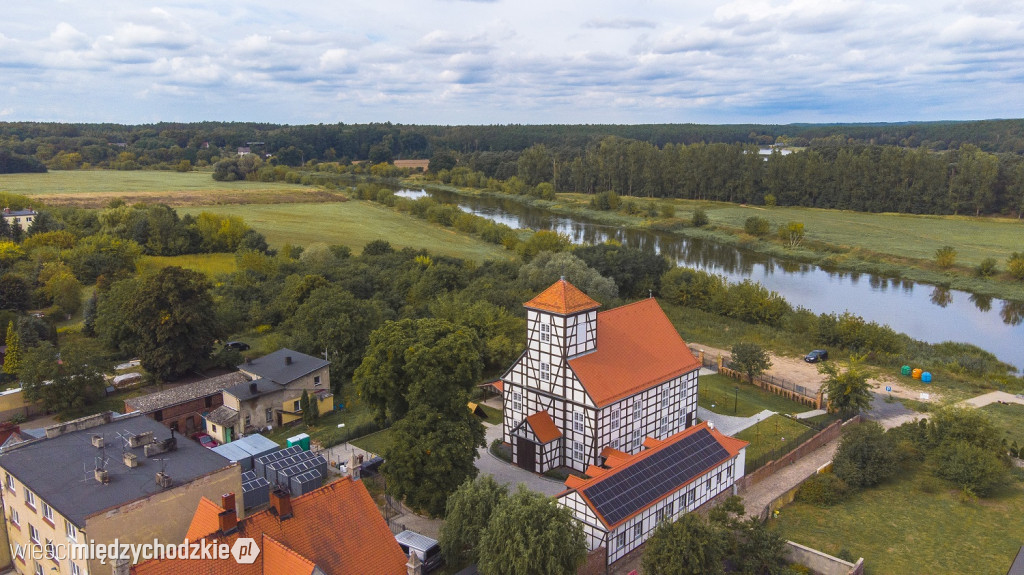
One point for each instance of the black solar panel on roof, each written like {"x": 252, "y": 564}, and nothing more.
{"x": 637, "y": 486}
{"x": 248, "y": 476}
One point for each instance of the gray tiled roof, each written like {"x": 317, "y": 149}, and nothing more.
{"x": 245, "y": 391}
{"x": 19, "y": 213}
{"x": 59, "y": 470}
{"x": 184, "y": 393}
{"x": 223, "y": 415}
{"x": 275, "y": 366}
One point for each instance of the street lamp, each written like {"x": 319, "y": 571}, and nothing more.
{"x": 735, "y": 398}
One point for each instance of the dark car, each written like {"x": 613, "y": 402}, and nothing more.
{"x": 237, "y": 345}
{"x": 816, "y": 356}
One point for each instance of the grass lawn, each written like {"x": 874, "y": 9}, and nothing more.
{"x": 1009, "y": 417}
{"x": 374, "y": 443}
{"x": 326, "y": 431}
{"x": 773, "y": 434}
{"x": 209, "y": 264}
{"x": 720, "y": 391}
{"x": 493, "y": 415}
{"x": 353, "y": 224}
{"x": 899, "y": 529}
{"x": 95, "y": 188}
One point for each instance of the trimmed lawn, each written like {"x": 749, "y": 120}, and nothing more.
{"x": 771, "y": 435}
{"x": 1010, "y": 417}
{"x": 374, "y": 443}
{"x": 326, "y": 430}
{"x": 720, "y": 392}
{"x": 494, "y": 416}
{"x": 209, "y": 264}
{"x": 899, "y": 529}
{"x": 353, "y": 224}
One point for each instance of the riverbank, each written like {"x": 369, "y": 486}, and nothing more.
{"x": 893, "y": 246}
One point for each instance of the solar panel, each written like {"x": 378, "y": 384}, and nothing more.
{"x": 636, "y": 486}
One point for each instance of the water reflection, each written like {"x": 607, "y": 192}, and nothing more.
{"x": 982, "y": 302}
{"x": 934, "y": 315}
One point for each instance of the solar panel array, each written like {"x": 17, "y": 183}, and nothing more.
{"x": 636, "y": 486}
{"x": 255, "y": 490}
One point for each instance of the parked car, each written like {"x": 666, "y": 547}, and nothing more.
{"x": 425, "y": 548}
{"x": 206, "y": 441}
{"x": 816, "y": 356}
{"x": 237, "y": 345}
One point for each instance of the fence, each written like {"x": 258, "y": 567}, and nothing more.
{"x": 767, "y": 382}
{"x": 777, "y": 452}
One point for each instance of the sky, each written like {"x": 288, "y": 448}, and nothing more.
{"x": 504, "y": 61}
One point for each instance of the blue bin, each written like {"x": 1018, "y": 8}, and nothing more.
{"x": 926, "y": 377}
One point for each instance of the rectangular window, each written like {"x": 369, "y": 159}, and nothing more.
{"x": 14, "y": 517}
{"x": 33, "y": 533}
{"x": 615, "y": 443}
{"x": 691, "y": 497}
{"x": 545, "y": 371}
{"x": 638, "y": 409}
{"x": 270, "y": 415}
{"x": 579, "y": 424}
{"x": 545, "y": 332}
{"x": 638, "y": 438}
{"x": 48, "y": 513}
{"x": 638, "y": 529}
{"x": 209, "y": 401}
{"x": 50, "y": 550}
{"x": 30, "y": 499}
{"x": 20, "y": 552}
{"x": 517, "y": 401}
{"x": 620, "y": 541}
{"x": 664, "y": 427}
{"x": 75, "y": 569}
{"x": 174, "y": 426}
{"x": 158, "y": 415}
{"x": 577, "y": 451}
{"x": 10, "y": 482}
{"x": 614, "y": 418}
{"x": 316, "y": 381}
{"x": 213, "y": 427}
{"x": 665, "y": 394}
{"x": 38, "y": 569}
{"x": 70, "y": 530}
{"x": 670, "y": 509}
{"x": 295, "y": 406}
{"x": 248, "y": 420}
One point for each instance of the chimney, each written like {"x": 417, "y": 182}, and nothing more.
{"x": 140, "y": 439}
{"x": 97, "y": 441}
{"x": 414, "y": 565}
{"x": 252, "y": 388}
{"x": 287, "y": 360}
{"x": 281, "y": 502}
{"x": 130, "y": 459}
{"x": 227, "y": 519}
{"x": 163, "y": 480}
{"x": 101, "y": 475}
{"x": 353, "y": 466}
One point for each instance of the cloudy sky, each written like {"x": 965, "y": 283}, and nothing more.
{"x": 505, "y": 61}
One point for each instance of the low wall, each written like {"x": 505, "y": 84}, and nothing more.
{"x": 821, "y": 438}
{"x": 822, "y": 563}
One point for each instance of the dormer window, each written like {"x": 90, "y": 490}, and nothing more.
{"x": 545, "y": 332}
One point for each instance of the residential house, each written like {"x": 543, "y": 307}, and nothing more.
{"x": 621, "y": 503}
{"x": 182, "y": 408}
{"x": 21, "y": 218}
{"x": 590, "y": 380}
{"x": 333, "y": 530}
{"x": 99, "y": 478}
{"x": 271, "y": 395}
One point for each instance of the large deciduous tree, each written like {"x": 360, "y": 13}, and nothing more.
{"x": 530, "y": 534}
{"x": 67, "y": 381}
{"x": 750, "y": 359}
{"x": 467, "y": 513}
{"x": 167, "y": 319}
{"x": 689, "y": 546}
{"x": 866, "y": 455}
{"x": 430, "y": 454}
{"x": 848, "y": 391}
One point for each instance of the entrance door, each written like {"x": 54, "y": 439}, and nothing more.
{"x": 527, "y": 454}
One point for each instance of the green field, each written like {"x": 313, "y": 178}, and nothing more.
{"x": 901, "y": 530}
{"x": 94, "y": 188}
{"x": 374, "y": 443}
{"x": 777, "y": 433}
{"x": 209, "y": 264}
{"x": 1008, "y": 417}
{"x": 723, "y": 393}
{"x": 353, "y": 224}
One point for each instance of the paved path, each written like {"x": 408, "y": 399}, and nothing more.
{"x": 757, "y": 497}
{"x": 992, "y": 397}
{"x": 730, "y": 424}
{"x": 809, "y": 414}
{"x": 510, "y": 474}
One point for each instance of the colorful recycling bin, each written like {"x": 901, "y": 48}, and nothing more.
{"x": 916, "y": 374}
{"x": 926, "y": 377}
{"x": 905, "y": 370}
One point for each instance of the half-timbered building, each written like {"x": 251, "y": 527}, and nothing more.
{"x": 623, "y": 501}
{"x": 589, "y": 381}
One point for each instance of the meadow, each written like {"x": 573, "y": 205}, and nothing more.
{"x": 914, "y": 525}
{"x": 209, "y": 264}
{"x": 95, "y": 188}
{"x": 353, "y": 224}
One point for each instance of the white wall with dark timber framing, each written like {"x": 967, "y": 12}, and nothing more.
{"x": 664, "y": 410}
{"x": 635, "y": 530}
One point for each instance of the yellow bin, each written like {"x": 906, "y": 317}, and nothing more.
{"x": 916, "y": 374}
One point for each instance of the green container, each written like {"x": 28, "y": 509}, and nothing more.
{"x": 302, "y": 440}
{"x": 905, "y": 370}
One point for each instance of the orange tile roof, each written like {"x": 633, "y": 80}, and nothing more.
{"x": 562, "y": 298}
{"x": 637, "y": 348}
{"x": 543, "y": 427}
{"x": 204, "y": 521}
{"x": 731, "y": 445}
{"x": 336, "y": 527}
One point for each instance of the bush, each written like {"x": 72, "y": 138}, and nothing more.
{"x": 945, "y": 257}
{"x": 769, "y": 200}
{"x": 668, "y": 210}
{"x": 974, "y": 469}
{"x": 757, "y": 226}
{"x": 1015, "y": 265}
{"x": 986, "y": 268}
{"x": 822, "y": 490}
{"x": 865, "y": 456}
{"x": 700, "y": 218}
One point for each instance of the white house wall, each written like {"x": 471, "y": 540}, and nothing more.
{"x": 592, "y": 526}
{"x": 657, "y": 419}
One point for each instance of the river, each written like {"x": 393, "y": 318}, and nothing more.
{"x": 921, "y": 311}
